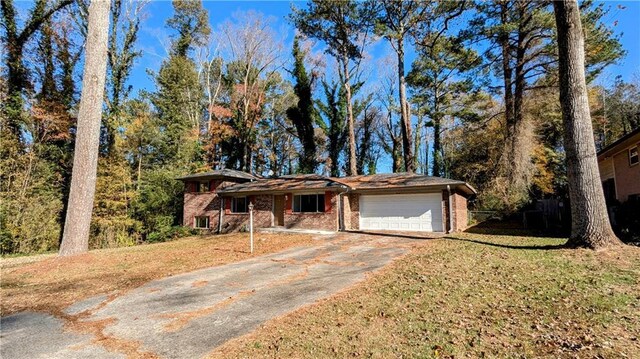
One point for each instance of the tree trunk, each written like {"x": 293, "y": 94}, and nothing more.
{"x": 436, "y": 169}
{"x": 518, "y": 137}
{"x": 417, "y": 143}
{"x": 590, "y": 225}
{"x": 353, "y": 170}
{"x": 426, "y": 154}
{"x": 437, "y": 151}
{"x": 396, "y": 153}
{"x": 139, "y": 176}
{"x": 507, "y": 71}
{"x": 75, "y": 239}
{"x": 409, "y": 163}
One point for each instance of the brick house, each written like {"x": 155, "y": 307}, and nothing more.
{"x": 218, "y": 201}
{"x": 619, "y": 166}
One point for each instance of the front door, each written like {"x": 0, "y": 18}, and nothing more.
{"x": 278, "y": 210}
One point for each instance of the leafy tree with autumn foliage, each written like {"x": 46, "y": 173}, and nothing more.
{"x": 251, "y": 72}
{"x": 522, "y": 54}
{"x": 35, "y": 167}
{"x": 16, "y": 39}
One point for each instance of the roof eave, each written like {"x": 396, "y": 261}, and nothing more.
{"x": 611, "y": 149}
{"x": 440, "y": 186}
{"x": 212, "y": 177}
{"x": 229, "y": 191}
{"x": 209, "y": 175}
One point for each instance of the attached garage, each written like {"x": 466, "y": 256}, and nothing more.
{"x": 402, "y": 212}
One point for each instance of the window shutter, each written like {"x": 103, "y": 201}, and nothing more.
{"x": 227, "y": 205}
{"x": 289, "y": 203}
{"x": 327, "y": 201}
{"x": 212, "y": 185}
{"x": 191, "y": 187}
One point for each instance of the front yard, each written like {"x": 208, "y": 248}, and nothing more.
{"x": 52, "y": 284}
{"x": 467, "y": 295}
{"x": 472, "y": 295}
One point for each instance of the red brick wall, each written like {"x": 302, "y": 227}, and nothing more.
{"x": 351, "y": 210}
{"x": 262, "y": 211}
{"x": 202, "y": 203}
{"x": 627, "y": 177}
{"x": 459, "y": 205}
{"x": 459, "y": 212}
{"x": 327, "y": 221}
{"x": 346, "y": 212}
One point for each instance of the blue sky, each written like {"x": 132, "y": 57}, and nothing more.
{"x": 153, "y": 38}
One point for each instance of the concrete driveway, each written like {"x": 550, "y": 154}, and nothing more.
{"x": 188, "y": 315}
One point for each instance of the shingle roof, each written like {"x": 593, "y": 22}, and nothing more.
{"x": 395, "y": 180}
{"x": 383, "y": 181}
{"x": 285, "y": 184}
{"x": 400, "y": 181}
{"x": 219, "y": 174}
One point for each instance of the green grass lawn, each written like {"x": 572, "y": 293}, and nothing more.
{"x": 472, "y": 295}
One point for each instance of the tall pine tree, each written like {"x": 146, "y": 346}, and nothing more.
{"x": 303, "y": 115}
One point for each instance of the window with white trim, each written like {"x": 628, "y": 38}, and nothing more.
{"x": 202, "y": 222}
{"x": 239, "y": 205}
{"x": 633, "y": 156}
{"x": 308, "y": 203}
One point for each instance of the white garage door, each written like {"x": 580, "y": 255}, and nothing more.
{"x": 402, "y": 212}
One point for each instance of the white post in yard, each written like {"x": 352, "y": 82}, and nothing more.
{"x": 251, "y": 225}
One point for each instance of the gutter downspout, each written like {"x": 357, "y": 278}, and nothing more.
{"x": 450, "y": 210}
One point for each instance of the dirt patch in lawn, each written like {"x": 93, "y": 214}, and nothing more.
{"x": 52, "y": 284}
{"x": 471, "y": 295}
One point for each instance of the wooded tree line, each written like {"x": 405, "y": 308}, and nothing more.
{"x": 479, "y": 103}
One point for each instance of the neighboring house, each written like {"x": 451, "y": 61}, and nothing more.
{"x": 219, "y": 201}
{"x": 620, "y": 169}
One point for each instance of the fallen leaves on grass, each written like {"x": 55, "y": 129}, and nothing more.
{"x": 52, "y": 284}
{"x": 472, "y": 295}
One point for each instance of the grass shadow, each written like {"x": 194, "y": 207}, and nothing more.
{"x": 427, "y": 235}
{"x": 511, "y": 246}
{"x": 514, "y": 228}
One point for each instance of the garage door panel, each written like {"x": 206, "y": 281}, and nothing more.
{"x": 412, "y": 212}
